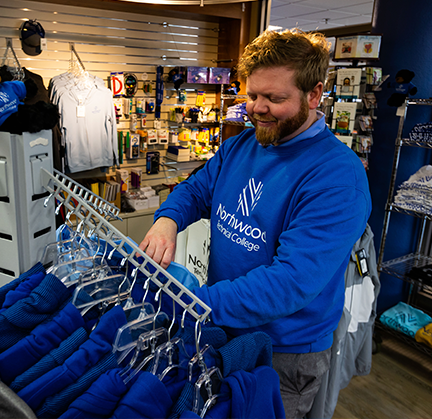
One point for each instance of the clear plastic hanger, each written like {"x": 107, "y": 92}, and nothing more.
{"x": 173, "y": 351}
{"x": 109, "y": 289}
{"x": 70, "y": 245}
{"x": 81, "y": 77}
{"x": 70, "y": 272}
{"x": 147, "y": 340}
{"x": 211, "y": 379}
{"x": 11, "y": 62}
{"x": 126, "y": 338}
{"x": 208, "y": 354}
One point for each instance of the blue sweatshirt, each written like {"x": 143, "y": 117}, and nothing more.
{"x": 283, "y": 222}
{"x": 11, "y": 95}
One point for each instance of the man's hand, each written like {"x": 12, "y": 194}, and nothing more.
{"x": 160, "y": 242}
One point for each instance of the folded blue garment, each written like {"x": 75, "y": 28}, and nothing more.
{"x": 404, "y": 318}
{"x": 45, "y": 337}
{"x": 89, "y": 354}
{"x": 5, "y": 289}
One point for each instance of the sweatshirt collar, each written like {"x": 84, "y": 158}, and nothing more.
{"x": 316, "y": 128}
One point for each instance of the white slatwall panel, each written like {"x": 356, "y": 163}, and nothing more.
{"x": 110, "y": 41}
{"x": 107, "y": 40}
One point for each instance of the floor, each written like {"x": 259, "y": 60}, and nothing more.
{"x": 398, "y": 387}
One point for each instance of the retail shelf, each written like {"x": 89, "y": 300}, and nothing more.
{"x": 405, "y": 338}
{"x": 235, "y": 96}
{"x": 240, "y": 123}
{"x": 396, "y": 208}
{"x": 173, "y": 124}
{"x": 420, "y": 102}
{"x": 401, "y": 267}
{"x": 416, "y": 143}
{"x": 172, "y": 165}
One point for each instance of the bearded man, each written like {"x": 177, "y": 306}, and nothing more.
{"x": 287, "y": 201}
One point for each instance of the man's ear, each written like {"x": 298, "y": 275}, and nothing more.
{"x": 314, "y": 96}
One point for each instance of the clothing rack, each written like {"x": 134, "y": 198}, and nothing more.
{"x": 93, "y": 213}
{"x": 19, "y": 72}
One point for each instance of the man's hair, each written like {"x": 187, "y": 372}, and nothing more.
{"x": 305, "y": 53}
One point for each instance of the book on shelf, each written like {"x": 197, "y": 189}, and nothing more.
{"x": 178, "y": 153}
{"x": 113, "y": 188}
{"x": 178, "y": 150}
{"x": 102, "y": 189}
{"x": 94, "y": 186}
{"x": 177, "y": 157}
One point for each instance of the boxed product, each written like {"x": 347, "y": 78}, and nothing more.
{"x": 219, "y": 75}
{"x": 162, "y": 136}
{"x": 152, "y": 137}
{"x": 136, "y": 175}
{"x": 162, "y": 191}
{"x": 153, "y": 201}
{"x": 152, "y": 162}
{"x": 178, "y": 153}
{"x": 173, "y": 137}
{"x": 133, "y": 149}
{"x": 122, "y": 176}
{"x": 137, "y": 201}
{"x": 197, "y": 75}
{"x": 149, "y": 193}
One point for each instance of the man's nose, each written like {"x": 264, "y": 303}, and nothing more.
{"x": 260, "y": 106}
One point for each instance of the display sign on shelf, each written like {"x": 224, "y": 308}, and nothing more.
{"x": 357, "y": 47}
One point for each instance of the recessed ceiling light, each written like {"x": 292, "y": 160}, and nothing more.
{"x": 274, "y": 28}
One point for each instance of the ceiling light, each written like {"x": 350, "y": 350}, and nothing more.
{"x": 274, "y": 28}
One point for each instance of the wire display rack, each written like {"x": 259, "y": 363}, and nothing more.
{"x": 94, "y": 214}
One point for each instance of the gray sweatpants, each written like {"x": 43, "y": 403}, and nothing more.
{"x": 300, "y": 379}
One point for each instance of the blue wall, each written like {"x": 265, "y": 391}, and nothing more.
{"x": 406, "y": 43}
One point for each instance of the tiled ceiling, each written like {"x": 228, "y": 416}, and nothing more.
{"x": 309, "y": 15}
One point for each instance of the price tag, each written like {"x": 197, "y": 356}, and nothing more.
{"x": 43, "y": 44}
{"x": 80, "y": 111}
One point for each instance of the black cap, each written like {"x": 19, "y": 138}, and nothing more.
{"x": 31, "y": 33}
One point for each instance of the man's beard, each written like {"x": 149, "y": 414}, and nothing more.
{"x": 267, "y": 136}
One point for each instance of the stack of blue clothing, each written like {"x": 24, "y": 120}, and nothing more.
{"x": 237, "y": 113}
{"x": 421, "y": 132}
{"x": 62, "y": 364}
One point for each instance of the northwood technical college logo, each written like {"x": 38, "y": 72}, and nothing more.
{"x": 249, "y": 197}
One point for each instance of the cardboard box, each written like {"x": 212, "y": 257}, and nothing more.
{"x": 139, "y": 204}
{"x": 153, "y": 201}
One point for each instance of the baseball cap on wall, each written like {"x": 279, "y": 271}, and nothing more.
{"x": 31, "y": 33}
